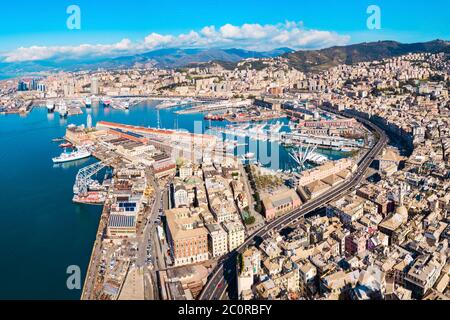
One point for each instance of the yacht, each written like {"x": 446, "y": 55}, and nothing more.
{"x": 50, "y": 106}
{"x": 88, "y": 102}
{"x": 249, "y": 155}
{"x": 62, "y": 109}
{"x": 106, "y": 103}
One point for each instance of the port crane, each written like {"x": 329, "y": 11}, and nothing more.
{"x": 84, "y": 177}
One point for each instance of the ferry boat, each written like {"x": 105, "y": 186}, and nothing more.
{"x": 72, "y": 156}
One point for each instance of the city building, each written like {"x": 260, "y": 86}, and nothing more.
{"x": 187, "y": 236}
{"x": 236, "y": 234}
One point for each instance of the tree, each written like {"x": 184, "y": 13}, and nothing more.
{"x": 250, "y": 220}
{"x": 240, "y": 259}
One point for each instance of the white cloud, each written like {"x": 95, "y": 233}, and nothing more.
{"x": 155, "y": 40}
{"x": 248, "y": 36}
{"x": 67, "y": 52}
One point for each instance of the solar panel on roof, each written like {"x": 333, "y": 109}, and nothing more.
{"x": 121, "y": 221}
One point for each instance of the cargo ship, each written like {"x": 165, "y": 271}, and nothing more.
{"x": 72, "y": 156}
{"x": 92, "y": 198}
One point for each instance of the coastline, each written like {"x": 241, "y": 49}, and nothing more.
{"x": 93, "y": 263}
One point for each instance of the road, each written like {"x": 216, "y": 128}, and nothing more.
{"x": 223, "y": 278}
{"x": 147, "y": 250}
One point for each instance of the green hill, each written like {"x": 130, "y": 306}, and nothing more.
{"x": 319, "y": 60}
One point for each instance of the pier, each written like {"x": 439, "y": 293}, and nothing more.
{"x": 220, "y": 106}
{"x": 331, "y": 142}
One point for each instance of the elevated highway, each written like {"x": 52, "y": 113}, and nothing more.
{"x": 223, "y": 277}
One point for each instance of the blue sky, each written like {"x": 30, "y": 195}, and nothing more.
{"x": 42, "y": 23}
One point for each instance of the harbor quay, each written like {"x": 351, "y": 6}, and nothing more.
{"x": 130, "y": 207}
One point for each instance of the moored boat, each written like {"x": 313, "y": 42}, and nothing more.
{"x": 248, "y": 156}
{"x": 63, "y": 110}
{"x": 66, "y": 145}
{"x": 50, "y": 106}
{"x": 106, "y": 103}
{"x": 72, "y": 156}
{"x": 92, "y": 198}
{"x": 214, "y": 117}
{"x": 88, "y": 102}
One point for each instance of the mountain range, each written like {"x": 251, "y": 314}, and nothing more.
{"x": 307, "y": 61}
{"x": 163, "y": 58}
{"x": 318, "y": 60}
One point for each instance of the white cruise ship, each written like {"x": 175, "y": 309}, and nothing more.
{"x": 72, "y": 156}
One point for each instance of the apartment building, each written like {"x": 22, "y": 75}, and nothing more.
{"x": 187, "y": 236}
{"x": 217, "y": 240}
{"x": 236, "y": 234}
